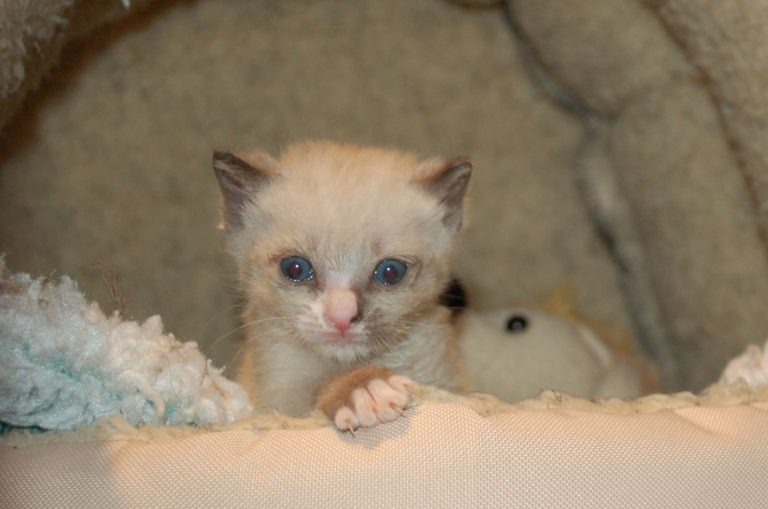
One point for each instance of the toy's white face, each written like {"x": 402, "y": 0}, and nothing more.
{"x": 530, "y": 324}
{"x": 530, "y": 351}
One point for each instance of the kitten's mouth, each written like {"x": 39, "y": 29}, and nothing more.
{"x": 345, "y": 348}
{"x": 347, "y": 338}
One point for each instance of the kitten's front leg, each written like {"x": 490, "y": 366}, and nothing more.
{"x": 365, "y": 396}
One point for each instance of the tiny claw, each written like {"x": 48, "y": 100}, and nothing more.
{"x": 350, "y": 428}
{"x": 394, "y": 406}
{"x": 402, "y": 383}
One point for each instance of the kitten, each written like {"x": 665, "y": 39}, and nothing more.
{"x": 342, "y": 254}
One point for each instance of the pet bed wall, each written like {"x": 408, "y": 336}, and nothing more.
{"x": 447, "y": 452}
{"x": 619, "y": 148}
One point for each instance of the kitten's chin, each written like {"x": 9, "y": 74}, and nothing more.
{"x": 346, "y": 349}
{"x": 345, "y": 354}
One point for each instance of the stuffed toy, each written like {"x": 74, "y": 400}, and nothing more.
{"x": 516, "y": 353}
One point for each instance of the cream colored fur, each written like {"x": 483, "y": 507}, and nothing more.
{"x": 344, "y": 208}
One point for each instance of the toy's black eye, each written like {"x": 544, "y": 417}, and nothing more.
{"x": 297, "y": 269}
{"x": 390, "y": 272}
{"x": 517, "y": 323}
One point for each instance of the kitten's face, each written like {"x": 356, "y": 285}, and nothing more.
{"x": 341, "y": 248}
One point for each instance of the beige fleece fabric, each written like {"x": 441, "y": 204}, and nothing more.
{"x": 34, "y": 32}
{"x": 671, "y": 98}
{"x": 619, "y": 147}
{"x": 110, "y": 163}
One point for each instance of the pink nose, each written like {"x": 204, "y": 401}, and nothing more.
{"x": 340, "y": 308}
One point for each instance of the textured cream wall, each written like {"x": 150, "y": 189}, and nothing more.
{"x": 110, "y": 162}
{"x": 654, "y": 111}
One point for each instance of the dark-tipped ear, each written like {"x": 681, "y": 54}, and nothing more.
{"x": 240, "y": 181}
{"x": 448, "y": 181}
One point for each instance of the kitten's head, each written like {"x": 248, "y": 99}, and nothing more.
{"x": 341, "y": 248}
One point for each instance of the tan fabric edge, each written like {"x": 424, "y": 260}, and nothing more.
{"x": 484, "y": 404}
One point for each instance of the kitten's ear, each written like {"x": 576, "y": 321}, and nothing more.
{"x": 240, "y": 181}
{"x": 448, "y": 181}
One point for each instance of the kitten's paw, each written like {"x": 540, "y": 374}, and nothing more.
{"x": 380, "y": 401}
{"x": 366, "y": 397}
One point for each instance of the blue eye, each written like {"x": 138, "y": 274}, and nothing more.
{"x": 297, "y": 269}
{"x": 390, "y": 272}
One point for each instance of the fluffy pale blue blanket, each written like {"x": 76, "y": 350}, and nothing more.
{"x": 65, "y": 364}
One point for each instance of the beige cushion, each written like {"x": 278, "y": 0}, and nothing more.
{"x": 441, "y": 455}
